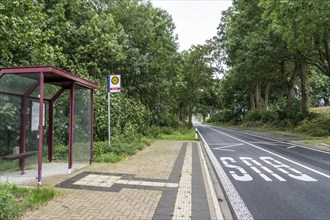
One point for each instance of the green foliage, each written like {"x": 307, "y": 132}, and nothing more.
{"x": 304, "y": 26}
{"x": 180, "y": 134}
{"x": 25, "y": 38}
{"x": 61, "y": 152}
{"x": 14, "y": 200}
{"x": 316, "y": 126}
{"x": 93, "y": 39}
{"x": 224, "y": 115}
{"x": 195, "y": 76}
{"x": 117, "y": 150}
{"x": 129, "y": 117}
{"x": 267, "y": 46}
{"x": 108, "y": 158}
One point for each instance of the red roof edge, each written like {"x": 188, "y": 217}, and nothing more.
{"x": 48, "y": 69}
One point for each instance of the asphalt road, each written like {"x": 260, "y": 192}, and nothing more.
{"x": 268, "y": 179}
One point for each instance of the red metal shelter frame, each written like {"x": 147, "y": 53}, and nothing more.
{"x": 58, "y": 77}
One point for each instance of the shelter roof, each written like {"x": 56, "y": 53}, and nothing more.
{"x": 52, "y": 75}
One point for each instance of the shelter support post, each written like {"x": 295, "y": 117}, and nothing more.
{"x": 92, "y": 127}
{"x": 41, "y": 114}
{"x": 71, "y": 126}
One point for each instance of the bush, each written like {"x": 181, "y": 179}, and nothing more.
{"x": 128, "y": 116}
{"x": 268, "y": 116}
{"x": 117, "y": 150}
{"x": 316, "y": 125}
{"x": 253, "y": 115}
{"x": 14, "y": 200}
{"x": 7, "y": 203}
{"x": 224, "y": 115}
{"x": 154, "y": 131}
{"x": 61, "y": 152}
{"x": 108, "y": 158}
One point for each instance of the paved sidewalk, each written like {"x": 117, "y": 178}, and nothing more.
{"x": 166, "y": 180}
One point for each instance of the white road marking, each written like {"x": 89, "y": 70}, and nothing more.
{"x": 264, "y": 142}
{"x": 225, "y": 150}
{"x": 280, "y": 166}
{"x": 244, "y": 177}
{"x": 284, "y": 158}
{"x": 238, "y": 205}
{"x": 245, "y": 160}
{"x": 223, "y": 144}
{"x": 273, "y": 174}
{"x": 283, "y": 142}
{"x": 291, "y": 147}
{"x": 232, "y": 145}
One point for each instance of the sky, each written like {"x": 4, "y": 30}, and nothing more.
{"x": 195, "y": 20}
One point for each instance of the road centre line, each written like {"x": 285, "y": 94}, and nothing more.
{"x": 223, "y": 149}
{"x": 238, "y": 205}
{"x": 283, "y": 142}
{"x": 291, "y": 147}
{"x": 264, "y": 142}
{"x": 224, "y": 144}
{"x": 232, "y": 145}
{"x": 252, "y": 145}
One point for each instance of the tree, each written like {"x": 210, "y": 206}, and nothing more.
{"x": 24, "y": 36}
{"x": 304, "y": 25}
{"x": 151, "y": 58}
{"x": 196, "y": 75}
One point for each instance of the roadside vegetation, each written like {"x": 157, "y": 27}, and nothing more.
{"x": 14, "y": 200}
{"x": 315, "y": 128}
{"x": 267, "y": 68}
{"x": 277, "y": 76}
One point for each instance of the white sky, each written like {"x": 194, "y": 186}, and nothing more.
{"x": 195, "y": 20}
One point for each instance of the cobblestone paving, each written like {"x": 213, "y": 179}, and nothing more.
{"x": 133, "y": 201}
{"x": 155, "y": 161}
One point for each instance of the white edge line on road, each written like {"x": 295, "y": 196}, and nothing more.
{"x": 308, "y": 168}
{"x": 240, "y": 209}
{"x": 216, "y": 205}
{"x": 322, "y": 151}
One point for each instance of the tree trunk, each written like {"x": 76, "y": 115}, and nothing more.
{"x": 267, "y": 95}
{"x": 190, "y": 110}
{"x": 181, "y": 112}
{"x": 252, "y": 103}
{"x": 326, "y": 101}
{"x": 257, "y": 96}
{"x": 304, "y": 88}
{"x": 289, "y": 84}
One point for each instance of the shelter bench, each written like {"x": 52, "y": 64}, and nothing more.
{"x": 20, "y": 155}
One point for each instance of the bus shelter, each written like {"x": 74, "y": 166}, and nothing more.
{"x": 31, "y": 100}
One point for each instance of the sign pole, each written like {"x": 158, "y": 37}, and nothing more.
{"x": 114, "y": 85}
{"x": 108, "y": 90}
{"x": 109, "y": 134}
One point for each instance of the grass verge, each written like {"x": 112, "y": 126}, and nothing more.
{"x": 118, "y": 150}
{"x": 15, "y": 200}
{"x": 181, "y": 134}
